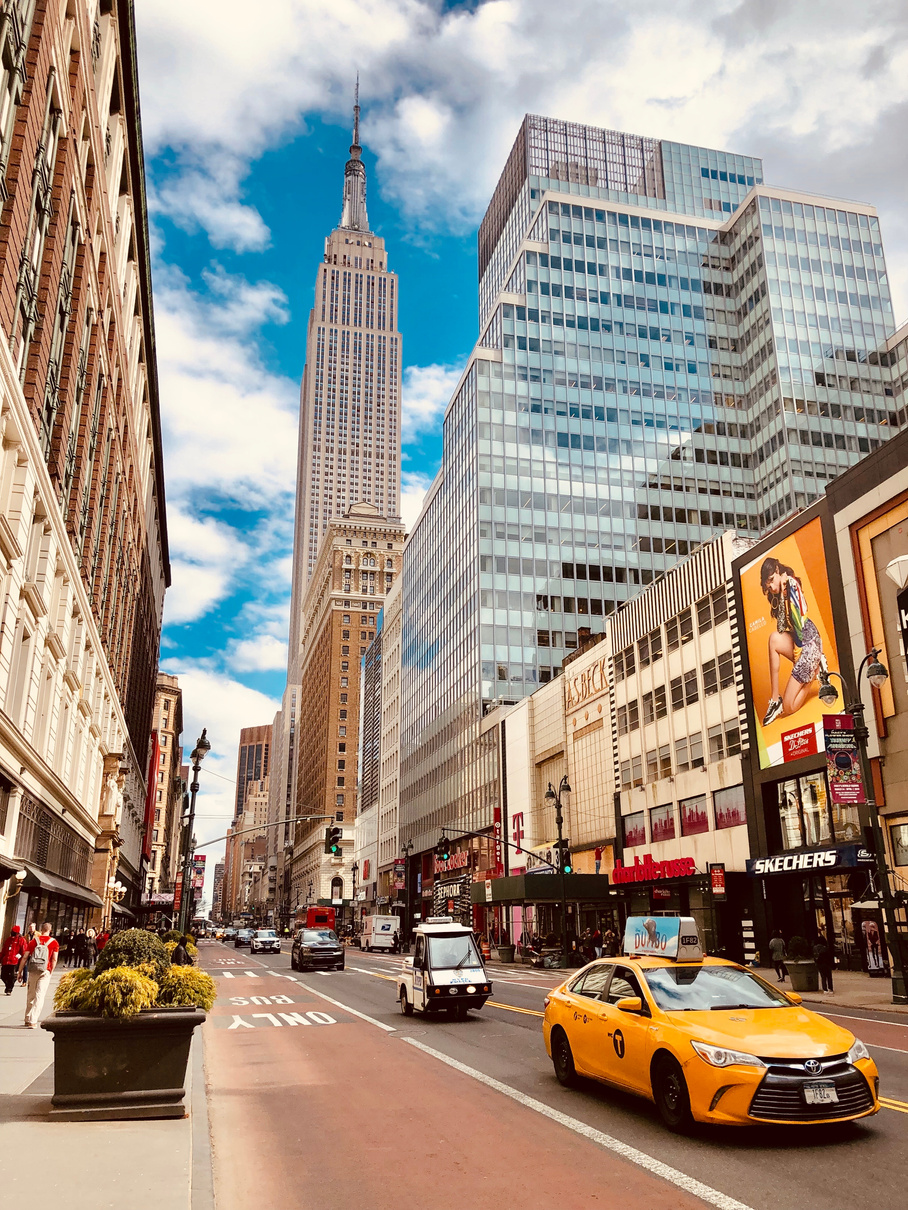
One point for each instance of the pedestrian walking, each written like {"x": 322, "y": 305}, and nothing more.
{"x": 598, "y": 857}
{"x": 181, "y": 955}
{"x": 102, "y": 939}
{"x": 41, "y": 957}
{"x": 777, "y": 955}
{"x": 90, "y": 949}
{"x": 610, "y": 943}
{"x": 66, "y": 947}
{"x": 597, "y": 942}
{"x": 825, "y": 960}
{"x": 13, "y": 949}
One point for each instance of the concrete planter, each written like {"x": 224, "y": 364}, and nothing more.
{"x": 106, "y": 1070}
{"x": 803, "y": 974}
{"x": 506, "y": 953}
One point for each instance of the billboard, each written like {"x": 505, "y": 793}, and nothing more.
{"x": 788, "y": 623}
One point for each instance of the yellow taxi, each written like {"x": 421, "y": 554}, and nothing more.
{"x": 707, "y": 1040}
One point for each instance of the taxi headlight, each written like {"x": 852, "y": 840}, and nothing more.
{"x": 719, "y": 1056}
{"x": 858, "y": 1051}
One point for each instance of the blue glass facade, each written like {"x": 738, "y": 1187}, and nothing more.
{"x": 653, "y": 368}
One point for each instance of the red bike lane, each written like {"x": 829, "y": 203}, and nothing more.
{"x": 313, "y": 1107}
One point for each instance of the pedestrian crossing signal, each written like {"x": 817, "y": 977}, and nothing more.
{"x": 333, "y": 841}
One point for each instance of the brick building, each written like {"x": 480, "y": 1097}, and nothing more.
{"x": 167, "y": 756}
{"x": 358, "y": 561}
{"x": 83, "y": 542}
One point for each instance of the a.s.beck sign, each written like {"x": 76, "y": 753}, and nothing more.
{"x": 817, "y": 861}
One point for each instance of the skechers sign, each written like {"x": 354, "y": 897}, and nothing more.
{"x": 820, "y": 861}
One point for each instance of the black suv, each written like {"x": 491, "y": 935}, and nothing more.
{"x": 316, "y": 949}
{"x": 243, "y": 937}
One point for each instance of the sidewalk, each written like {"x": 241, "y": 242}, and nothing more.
{"x": 93, "y": 1165}
{"x": 854, "y": 989}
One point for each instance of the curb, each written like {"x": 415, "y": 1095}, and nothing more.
{"x": 201, "y": 1173}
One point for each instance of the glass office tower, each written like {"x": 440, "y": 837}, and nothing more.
{"x": 668, "y": 349}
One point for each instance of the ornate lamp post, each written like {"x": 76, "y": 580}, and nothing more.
{"x": 877, "y": 675}
{"x": 354, "y": 870}
{"x": 553, "y": 798}
{"x": 201, "y": 750}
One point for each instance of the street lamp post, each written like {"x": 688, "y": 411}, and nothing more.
{"x": 877, "y": 675}
{"x": 553, "y": 798}
{"x": 201, "y": 750}
{"x": 354, "y": 870}
{"x": 407, "y": 849}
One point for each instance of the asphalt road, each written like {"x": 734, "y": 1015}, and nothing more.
{"x": 323, "y": 1095}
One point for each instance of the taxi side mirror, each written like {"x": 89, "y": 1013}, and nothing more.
{"x": 629, "y": 1004}
{"x": 794, "y": 997}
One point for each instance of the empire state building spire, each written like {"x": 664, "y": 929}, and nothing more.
{"x": 354, "y": 217}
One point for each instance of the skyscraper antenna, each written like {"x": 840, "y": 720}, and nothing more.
{"x": 356, "y": 113}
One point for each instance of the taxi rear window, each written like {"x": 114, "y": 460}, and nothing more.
{"x": 700, "y": 988}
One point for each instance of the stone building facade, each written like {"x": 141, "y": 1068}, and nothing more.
{"x": 83, "y": 541}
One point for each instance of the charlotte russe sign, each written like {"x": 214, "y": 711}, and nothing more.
{"x": 647, "y": 870}
{"x": 586, "y": 684}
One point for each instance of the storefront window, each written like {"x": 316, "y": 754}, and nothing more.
{"x": 694, "y": 818}
{"x": 634, "y": 830}
{"x": 790, "y": 815}
{"x": 662, "y": 823}
{"x": 814, "y": 804}
{"x": 898, "y": 834}
{"x": 728, "y": 805}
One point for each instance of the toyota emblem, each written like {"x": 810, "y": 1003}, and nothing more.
{"x": 813, "y": 1066}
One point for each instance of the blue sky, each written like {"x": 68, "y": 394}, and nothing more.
{"x": 246, "y": 117}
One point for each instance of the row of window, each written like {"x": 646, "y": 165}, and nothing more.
{"x": 723, "y": 739}
{"x": 728, "y": 811}
{"x": 711, "y": 610}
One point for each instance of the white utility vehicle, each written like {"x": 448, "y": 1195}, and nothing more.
{"x": 446, "y": 972}
{"x": 379, "y": 933}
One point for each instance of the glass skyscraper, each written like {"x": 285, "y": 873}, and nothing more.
{"x": 668, "y": 348}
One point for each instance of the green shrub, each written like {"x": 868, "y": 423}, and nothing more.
{"x": 173, "y": 935}
{"x": 134, "y": 947}
{"x": 72, "y": 990}
{"x": 120, "y": 991}
{"x": 798, "y": 948}
{"x": 187, "y": 985}
{"x": 191, "y": 949}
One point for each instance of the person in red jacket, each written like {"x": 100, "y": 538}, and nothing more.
{"x": 102, "y": 939}
{"x": 41, "y": 956}
{"x": 13, "y": 949}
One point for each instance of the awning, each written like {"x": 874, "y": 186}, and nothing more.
{"x": 55, "y": 885}
{"x": 8, "y": 866}
{"x": 543, "y": 888}
{"x": 118, "y": 910}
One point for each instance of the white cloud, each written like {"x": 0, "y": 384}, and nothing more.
{"x": 427, "y": 391}
{"x": 264, "y": 653}
{"x": 206, "y": 557}
{"x": 224, "y": 706}
{"x": 413, "y": 488}
{"x": 445, "y": 90}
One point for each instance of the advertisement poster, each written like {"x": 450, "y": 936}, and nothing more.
{"x": 867, "y": 921}
{"x": 788, "y": 623}
{"x": 717, "y": 879}
{"x": 843, "y": 763}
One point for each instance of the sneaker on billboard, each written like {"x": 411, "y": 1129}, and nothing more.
{"x": 773, "y": 710}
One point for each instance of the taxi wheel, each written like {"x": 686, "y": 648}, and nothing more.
{"x": 405, "y": 1006}
{"x": 563, "y": 1060}
{"x": 671, "y": 1095}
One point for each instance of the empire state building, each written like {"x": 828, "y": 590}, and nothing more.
{"x": 349, "y": 448}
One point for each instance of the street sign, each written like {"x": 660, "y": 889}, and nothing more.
{"x": 902, "y": 604}
{"x": 488, "y": 890}
{"x": 717, "y": 878}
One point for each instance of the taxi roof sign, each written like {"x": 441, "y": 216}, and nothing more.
{"x": 674, "y": 937}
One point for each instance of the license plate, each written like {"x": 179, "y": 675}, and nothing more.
{"x": 821, "y": 1094}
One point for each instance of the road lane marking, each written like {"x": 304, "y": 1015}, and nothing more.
{"x": 866, "y": 1020}
{"x": 680, "y": 1180}
{"x": 888, "y": 1103}
{"x": 374, "y": 974}
{"x": 512, "y": 1008}
{"x": 389, "y": 1029}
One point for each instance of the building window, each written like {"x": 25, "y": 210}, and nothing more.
{"x": 694, "y": 817}
{"x": 624, "y": 664}
{"x": 724, "y": 740}
{"x": 654, "y": 705}
{"x": 634, "y": 830}
{"x": 662, "y": 823}
{"x": 711, "y": 610}
{"x": 339, "y": 801}
{"x": 649, "y": 649}
{"x": 679, "y": 630}
{"x": 729, "y": 807}
{"x": 628, "y": 717}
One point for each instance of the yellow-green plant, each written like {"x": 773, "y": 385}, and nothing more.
{"x": 191, "y": 949}
{"x": 119, "y": 992}
{"x": 72, "y": 990}
{"x": 186, "y": 985}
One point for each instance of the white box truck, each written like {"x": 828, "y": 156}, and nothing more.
{"x": 379, "y": 933}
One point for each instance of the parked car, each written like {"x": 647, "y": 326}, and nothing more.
{"x": 265, "y": 941}
{"x": 316, "y": 949}
{"x": 243, "y": 937}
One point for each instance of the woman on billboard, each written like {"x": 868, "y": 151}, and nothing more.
{"x": 795, "y": 637}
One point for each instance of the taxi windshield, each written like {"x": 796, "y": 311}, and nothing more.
{"x": 701, "y": 988}
{"x": 446, "y": 953}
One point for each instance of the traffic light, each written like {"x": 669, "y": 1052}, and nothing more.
{"x": 443, "y": 849}
{"x": 567, "y": 864}
{"x": 333, "y": 841}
